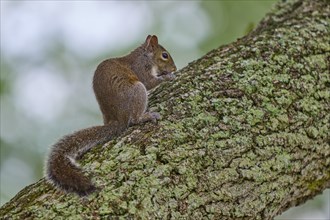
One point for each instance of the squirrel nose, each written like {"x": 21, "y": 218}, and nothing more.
{"x": 174, "y": 69}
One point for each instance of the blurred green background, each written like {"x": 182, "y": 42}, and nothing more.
{"x": 50, "y": 49}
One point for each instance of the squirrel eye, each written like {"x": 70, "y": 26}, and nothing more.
{"x": 165, "y": 55}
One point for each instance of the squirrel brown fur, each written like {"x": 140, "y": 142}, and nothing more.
{"x": 120, "y": 86}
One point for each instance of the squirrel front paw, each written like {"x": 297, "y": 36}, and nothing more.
{"x": 168, "y": 76}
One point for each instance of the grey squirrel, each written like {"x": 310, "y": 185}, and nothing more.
{"x": 120, "y": 86}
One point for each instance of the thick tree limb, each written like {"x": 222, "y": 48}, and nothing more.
{"x": 244, "y": 135}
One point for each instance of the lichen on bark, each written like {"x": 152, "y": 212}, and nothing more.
{"x": 244, "y": 134}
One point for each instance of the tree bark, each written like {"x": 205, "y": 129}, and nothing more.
{"x": 244, "y": 134}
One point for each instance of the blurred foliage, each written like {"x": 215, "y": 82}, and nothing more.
{"x": 4, "y": 77}
{"x": 232, "y": 19}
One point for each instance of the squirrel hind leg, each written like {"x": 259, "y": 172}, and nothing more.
{"x": 138, "y": 105}
{"x": 66, "y": 175}
{"x": 147, "y": 117}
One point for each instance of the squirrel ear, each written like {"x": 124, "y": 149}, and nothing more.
{"x": 148, "y": 38}
{"x": 151, "y": 40}
{"x": 154, "y": 40}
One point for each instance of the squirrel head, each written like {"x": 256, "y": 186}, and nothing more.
{"x": 160, "y": 56}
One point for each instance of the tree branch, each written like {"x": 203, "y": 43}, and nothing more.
{"x": 244, "y": 134}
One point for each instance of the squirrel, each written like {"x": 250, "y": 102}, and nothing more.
{"x": 120, "y": 86}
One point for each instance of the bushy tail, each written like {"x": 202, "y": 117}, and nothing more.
{"x": 63, "y": 171}
{"x": 66, "y": 175}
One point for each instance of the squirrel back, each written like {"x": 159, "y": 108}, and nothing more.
{"x": 120, "y": 86}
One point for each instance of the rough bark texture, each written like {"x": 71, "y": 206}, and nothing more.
{"x": 244, "y": 134}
